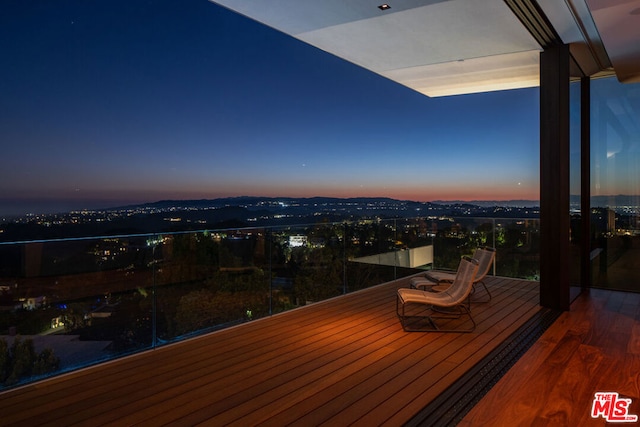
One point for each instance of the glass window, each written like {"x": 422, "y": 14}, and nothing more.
{"x": 615, "y": 184}
{"x": 575, "y": 195}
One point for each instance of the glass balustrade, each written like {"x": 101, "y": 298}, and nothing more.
{"x": 70, "y": 303}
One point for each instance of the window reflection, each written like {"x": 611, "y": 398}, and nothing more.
{"x": 615, "y": 184}
{"x": 574, "y": 186}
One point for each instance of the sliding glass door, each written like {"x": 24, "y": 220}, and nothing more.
{"x": 615, "y": 185}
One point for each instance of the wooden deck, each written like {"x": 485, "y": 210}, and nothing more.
{"x": 594, "y": 347}
{"x": 338, "y": 362}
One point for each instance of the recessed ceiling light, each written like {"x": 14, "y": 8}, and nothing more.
{"x": 384, "y": 7}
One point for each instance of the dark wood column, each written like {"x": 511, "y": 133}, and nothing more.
{"x": 554, "y": 177}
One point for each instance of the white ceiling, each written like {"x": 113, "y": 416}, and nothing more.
{"x": 445, "y": 47}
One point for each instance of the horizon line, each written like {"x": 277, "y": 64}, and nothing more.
{"x": 39, "y": 206}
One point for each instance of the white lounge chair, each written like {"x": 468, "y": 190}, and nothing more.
{"x": 451, "y": 299}
{"x": 438, "y": 280}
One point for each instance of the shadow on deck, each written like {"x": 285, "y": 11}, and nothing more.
{"x": 342, "y": 361}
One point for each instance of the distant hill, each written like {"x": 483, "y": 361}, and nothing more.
{"x": 599, "y": 201}
{"x": 617, "y": 200}
{"x": 253, "y": 200}
{"x": 491, "y": 203}
{"x": 253, "y": 211}
{"x": 301, "y": 203}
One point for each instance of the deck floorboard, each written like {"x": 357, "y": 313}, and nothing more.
{"x": 342, "y": 361}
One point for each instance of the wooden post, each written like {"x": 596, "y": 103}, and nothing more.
{"x": 554, "y": 177}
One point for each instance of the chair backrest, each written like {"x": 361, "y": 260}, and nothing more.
{"x": 485, "y": 257}
{"x": 463, "y": 283}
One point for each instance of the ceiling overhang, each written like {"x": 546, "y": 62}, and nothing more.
{"x": 618, "y": 23}
{"x": 448, "y": 47}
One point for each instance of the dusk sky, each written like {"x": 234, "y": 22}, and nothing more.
{"x": 121, "y": 102}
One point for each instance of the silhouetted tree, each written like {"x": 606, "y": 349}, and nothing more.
{"x": 20, "y": 361}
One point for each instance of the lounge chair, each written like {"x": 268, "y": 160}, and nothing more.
{"x": 426, "y": 305}
{"x": 438, "y": 280}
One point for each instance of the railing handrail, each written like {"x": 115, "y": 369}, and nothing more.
{"x": 269, "y": 227}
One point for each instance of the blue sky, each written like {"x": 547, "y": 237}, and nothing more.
{"x": 104, "y": 103}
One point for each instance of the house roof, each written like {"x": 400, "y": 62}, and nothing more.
{"x": 445, "y": 47}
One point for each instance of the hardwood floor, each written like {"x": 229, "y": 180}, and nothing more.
{"x": 339, "y": 362}
{"x": 595, "y": 347}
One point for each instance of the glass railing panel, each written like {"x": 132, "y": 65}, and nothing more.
{"x": 372, "y": 253}
{"x": 310, "y": 263}
{"x": 414, "y": 245}
{"x": 415, "y": 236}
{"x": 209, "y": 280}
{"x": 455, "y": 237}
{"x": 81, "y": 301}
{"x": 517, "y": 242}
{"x": 77, "y": 302}
{"x": 401, "y": 247}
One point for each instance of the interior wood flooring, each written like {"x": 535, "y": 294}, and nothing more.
{"x": 594, "y": 347}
